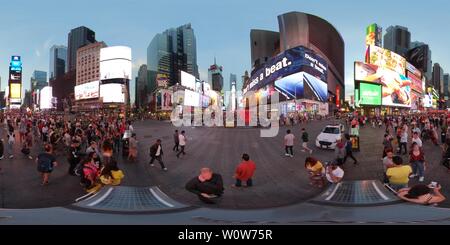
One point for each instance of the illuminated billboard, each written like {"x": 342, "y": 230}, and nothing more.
{"x": 87, "y": 91}
{"x": 15, "y": 90}
{"x": 115, "y": 63}
{"x": 416, "y": 83}
{"x": 164, "y": 100}
{"x": 162, "y": 80}
{"x": 412, "y": 69}
{"x": 418, "y": 57}
{"x": 370, "y": 94}
{"x": 112, "y": 93}
{"x": 291, "y": 61}
{"x": 187, "y": 80}
{"x": 302, "y": 85}
{"x": 191, "y": 98}
{"x": 46, "y": 98}
{"x": 396, "y": 87}
{"x": 373, "y": 35}
{"x": 386, "y": 58}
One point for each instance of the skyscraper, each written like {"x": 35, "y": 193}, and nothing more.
{"x": 446, "y": 86}
{"x": 397, "y": 39}
{"x": 77, "y": 38}
{"x": 58, "y": 61}
{"x": 438, "y": 79}
{"x": 38, "y": 80}
{"x": 88, "y": 63}
{"x": 233, "y": 81}
{"x": 142, "y": 85}
{"x": 215, "y": 74}
{"x": 170, "y": 52}
{"x": 428, "y": 67}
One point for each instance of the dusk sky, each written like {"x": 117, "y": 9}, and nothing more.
{"x": 29, "y": 28}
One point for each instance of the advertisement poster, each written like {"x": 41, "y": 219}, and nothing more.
{"x": 370, "y": 94}
{"x": 411, "y": 69}
{"x": 396, "y": 89}
{"x": 188, "y": 80}
{"x": 415, "y": 101}
{"x": 289, "y": 62}
{"x": 355, "y": 142}
{"x": 416, "y": 83}
{"x": 191, "y": 98}
{"x": 15, "y": 90}
{"x": 386, "y": 58}
{"x": 165, "y": 100}
{"x": 302, "y": 85}
{"x": 87, "y": 91}
{"x": 162, "y": 80}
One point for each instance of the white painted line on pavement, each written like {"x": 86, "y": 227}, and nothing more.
{"x": 333, "y": 192}
{"x": 101, "y": 198}
{"x": 379, "y": 192}
{"x": 160, "y": 199}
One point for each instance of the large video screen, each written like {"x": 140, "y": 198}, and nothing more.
{"x": 15, "y": 90}
{"x": 112, "y": 93}
{"x": 416, "y": 83}
{"x": 87, "y": 91}
{"x": 165, "y": 101}
{"x": 191, "y": 98}
{"x": 115, "y": 63}
{"x": 187, "y": 80}
{"x": 396, "y": 87}
{"x": 302, "y": 85}
{"x": 418, "y": 57}
{"x": 370, "y": 94}
{"x": 46, "y": 96}
{"x": 386, "y": 58}
{"x": 291, "y": 61}
{"x": 428, "y": 100}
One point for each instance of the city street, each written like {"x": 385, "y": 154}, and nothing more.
{"x": 278, "y": 180}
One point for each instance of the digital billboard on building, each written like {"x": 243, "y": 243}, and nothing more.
{"x": 386, "y": 58}
{"x": 115, "y": 63}
{"x": 89, "y": 90}
{"x": 370, "y": 94}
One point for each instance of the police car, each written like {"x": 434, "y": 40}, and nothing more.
{"x": 329, "y": 136}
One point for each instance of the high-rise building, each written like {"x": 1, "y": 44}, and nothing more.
{"x": 58, "y": 61}
{"x": 38, "y": 80}
{"x": 446, "y": 86}
{"x": 264, "y": 45}
{"x": 427, "y": 68}
{"x": 215, "y": 73}
{"x": 142, "y": 86}
{"x": 397, "y": 39}
{"x": 245, "y": 79}
{"x": 438, "y": 79}
{"x": 88, "y": 63}
{"x": 77, "y": 38}
{"x": 233, "y": 81}
{"x": 170, "y": 52}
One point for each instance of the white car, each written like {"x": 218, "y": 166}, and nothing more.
{"x": 329, "y": 136}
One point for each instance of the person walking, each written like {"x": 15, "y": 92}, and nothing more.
{"x": 417, "y": 161}
{"x": 176, "y": 141}
{"x": 132, "y": 151}
{"x": 182, "y": 140}
{"x": 244, "y": 171}
{"x": 11, "y": 140}
{"x": 74, "y": 156}
{"x": 340, "y": 152}
{"x": 156, "y": 152}
{"x": 349, "y": 150}
{"x": 289, "y": 143}
{"x": 403, "y": 142}
{"x": 305, "y": 141}
{"x": 45, "y": 163}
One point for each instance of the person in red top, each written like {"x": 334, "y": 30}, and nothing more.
{"x": 245, "y": 171}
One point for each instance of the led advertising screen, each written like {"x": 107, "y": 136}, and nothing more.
{"x": 418, "y": 57}
{"x": 416, "y": 83}
{"x": 87, "y": 91}
{"x": 162, "y": 80}
{"x": 291, "y": 61}
{"x": 428, "y": 100}
{"x": 386, "y": 58}
{"x": 205, "y": 101}
{"x": 15, "y": 64}
{"x": 115, "y": 63}
{"x": 356, "y": 97}
{"x": 302, "y": 85}
{"x": 191, "y": 98}
{"x": 165, "y": 101}
{"x": 373, "y": 35}
{"x": 412, "y": 69}
{"x": 414, "y": 101}
{"x": 15, "y": 76}
{"x": 396, "y": 87}
{"x": 15, "y": 90}
{"x": 370, "y": 94}
{"x": 187, "y": 80}
{"x": 46, "y": 96}
{"x": 112, "y": 93}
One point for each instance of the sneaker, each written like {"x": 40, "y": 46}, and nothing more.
{"x": 291, "y": 155}
{"x": 421, "y": 179}
{"x": 30, "y": 157}
{"x": 165, "y": 169}
{"x": 11, "y": 156}
{"x": 413, "y": 176}
{"x": 287, "y": 155}
{"x": 152, "y": 165}
{"x": 310, "y": 151}
{"x": 1, "y": 157}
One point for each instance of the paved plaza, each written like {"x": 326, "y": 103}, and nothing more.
{"x": 279, "y": 181}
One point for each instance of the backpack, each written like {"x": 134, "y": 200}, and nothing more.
{"x": 44, "y": 164}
